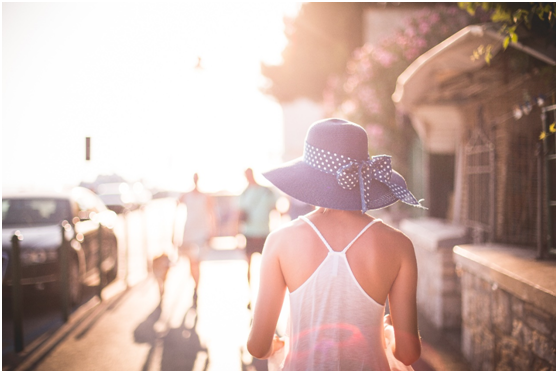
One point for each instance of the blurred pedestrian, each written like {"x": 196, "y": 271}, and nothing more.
{"x": 198, "y": 229}
{"x": 339, "y": 264}
{"x": 255, "y": 204}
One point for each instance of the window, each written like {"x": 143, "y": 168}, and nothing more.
{"x": 479, "y": 177}
{"x": 34, "y": 211}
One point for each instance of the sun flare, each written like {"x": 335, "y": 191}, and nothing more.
{"x": 163, "y": 90}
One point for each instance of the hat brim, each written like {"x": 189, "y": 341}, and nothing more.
{"x": 312, "y": 186}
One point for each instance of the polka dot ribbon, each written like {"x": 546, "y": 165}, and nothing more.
{"x": 350, "y": 172}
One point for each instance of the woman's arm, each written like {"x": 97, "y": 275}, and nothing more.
{"x": 261, "y": 342}
{"x": 403, "y": 306}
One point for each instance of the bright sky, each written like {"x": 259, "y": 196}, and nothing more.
{"x": 123, "y": 74}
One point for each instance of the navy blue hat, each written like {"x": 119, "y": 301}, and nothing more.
{"x": 336, "y": 171}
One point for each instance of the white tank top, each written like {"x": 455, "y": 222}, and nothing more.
{"x": 334, "y": 323}
{"x": 197, "y": 226}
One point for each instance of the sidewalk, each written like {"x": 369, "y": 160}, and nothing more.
{"x": 129, "y": 330}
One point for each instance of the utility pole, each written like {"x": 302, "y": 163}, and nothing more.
{"x": 87, "y": 148}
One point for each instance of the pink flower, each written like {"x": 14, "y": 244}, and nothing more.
{"x": 367, "y": 48}
{"x": 422, "y": 13}
{"x": 434, "y": 17}
{"x": 365, "y": 67}
{"x": 424, "y": 27}
{"x": 350, "y": 84}
{"x": 385, "y": 58}
{"x": 351, "y": 66}
{"x": 367, "y": 96}
{"x": 401, "y": 40}
{"x": 411, "y": 54}
{"x": 420, "y": 42}
{"x": 364, "y": 89}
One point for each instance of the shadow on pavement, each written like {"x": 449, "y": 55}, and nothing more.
{"x": 175, "y": 348}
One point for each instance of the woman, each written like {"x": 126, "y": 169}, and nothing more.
{"x": 198, "y": 229}
{"x": 339, "y": 264}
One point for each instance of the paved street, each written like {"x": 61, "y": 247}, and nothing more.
{"x": 131, "y": 329}
{"x": 134, "y": 332}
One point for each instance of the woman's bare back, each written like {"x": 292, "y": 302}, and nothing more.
{"x": 374, "y": 258}
{"x": 382, "y": 260}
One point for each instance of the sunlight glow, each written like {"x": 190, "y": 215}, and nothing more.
{"x": 125, "y": 75}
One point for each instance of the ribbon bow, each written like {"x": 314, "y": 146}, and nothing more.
{"x": 351, "y": 174}
{"x": 378, "y": 168}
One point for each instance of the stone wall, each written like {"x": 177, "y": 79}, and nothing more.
{"x": 501, "y": 330}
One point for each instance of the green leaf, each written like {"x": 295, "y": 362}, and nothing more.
{"x": 506, "y": 42}
{"x": 514, "y": 37}
{"x": 488, "y": 55}
{"x": 469, "y": 7}
{"x": 501, "y": 15}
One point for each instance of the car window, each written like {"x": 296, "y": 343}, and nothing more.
{"x": 87, "y": 202}
{"x": 34, "y": 211}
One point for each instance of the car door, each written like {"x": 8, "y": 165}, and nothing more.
{"x": 87, "y": 230}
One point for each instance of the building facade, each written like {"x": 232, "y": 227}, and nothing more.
{"x": 486, "y": 254}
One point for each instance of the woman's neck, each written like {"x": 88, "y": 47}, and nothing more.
{"x": 326, "y": 211}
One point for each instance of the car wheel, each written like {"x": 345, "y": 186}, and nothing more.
{"x": 74, "y": 283}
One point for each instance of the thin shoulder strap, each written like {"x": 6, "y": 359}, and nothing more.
{"x": 360, "y": 234}
{"x": 317, "y": 232}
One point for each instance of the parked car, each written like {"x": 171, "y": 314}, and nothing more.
{"x": 39, "y": 218}
{"x": 116, "y": 196}
{"x": 122, "y": 196}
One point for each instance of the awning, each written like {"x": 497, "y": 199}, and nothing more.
{"x": 450, "y": 58}
{"x": 438, "y": 123}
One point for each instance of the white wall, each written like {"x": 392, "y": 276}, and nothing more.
{"x": 297, "y": 118}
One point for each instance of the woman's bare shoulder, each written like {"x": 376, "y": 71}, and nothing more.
{"x": 289, "y": 230}
{"x": 281, "y": 239}
{"x": 393, "y": 237}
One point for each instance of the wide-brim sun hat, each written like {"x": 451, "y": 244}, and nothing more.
{"x": 337, "y": 172}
